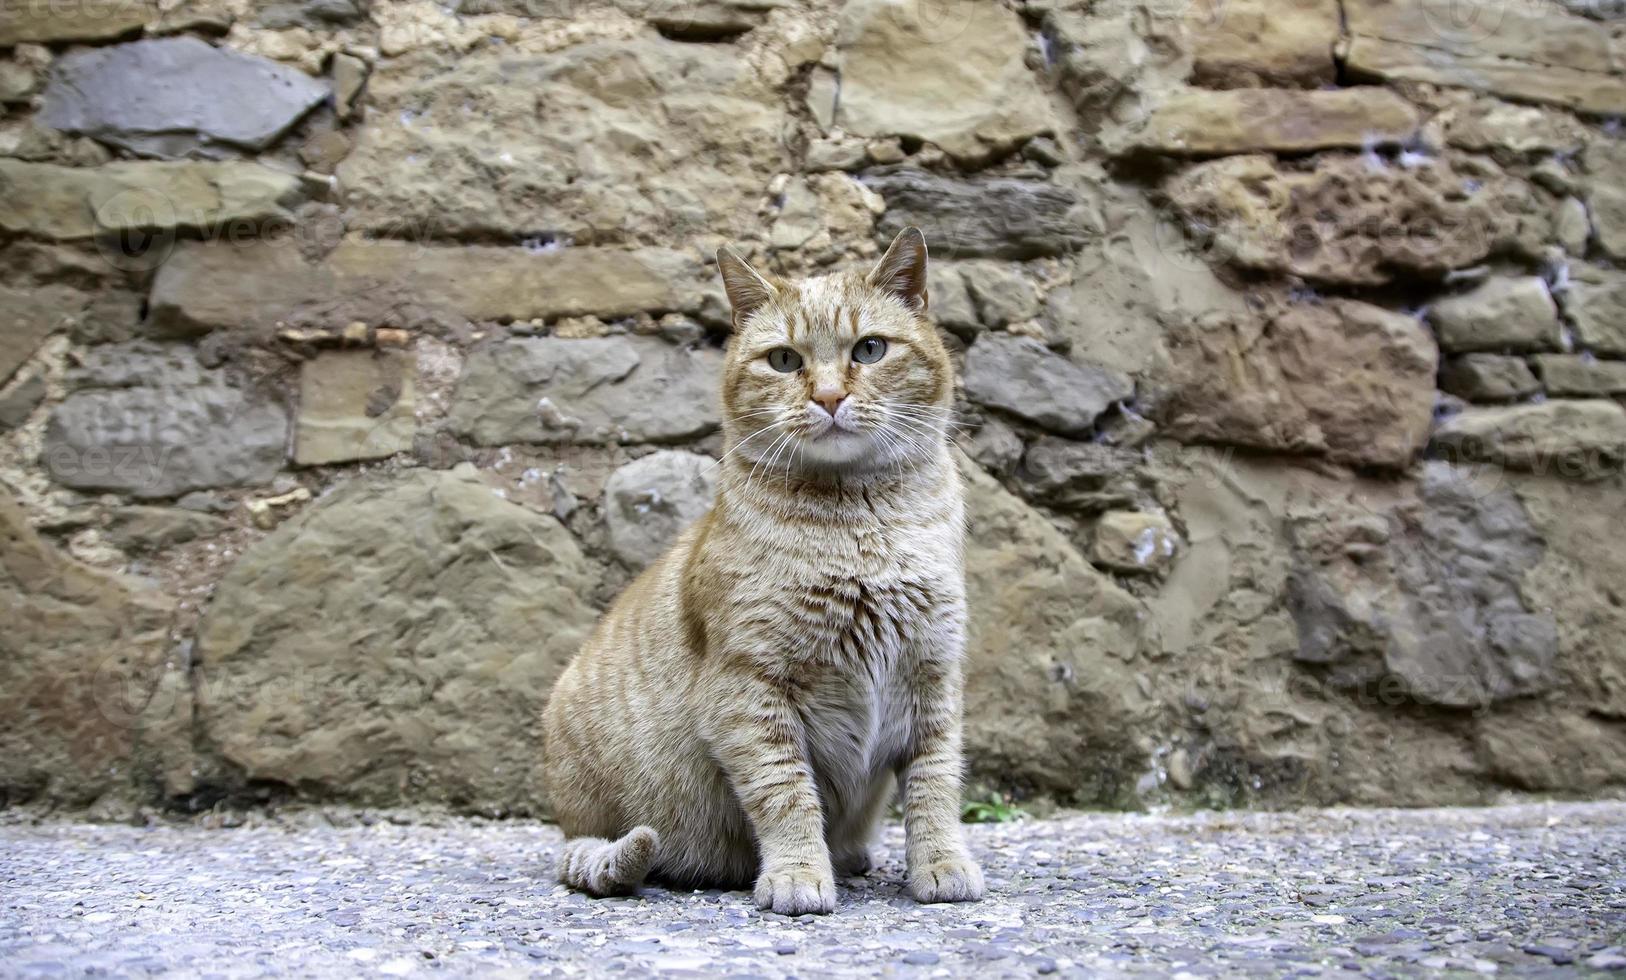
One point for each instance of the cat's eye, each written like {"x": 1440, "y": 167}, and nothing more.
{"x": 869, "y": 350}
{"x": 784, "y": 360}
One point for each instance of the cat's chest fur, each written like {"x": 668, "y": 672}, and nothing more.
{"x": 882, "y": 600}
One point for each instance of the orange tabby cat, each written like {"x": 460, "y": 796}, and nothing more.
{"x": 742, "y": 711}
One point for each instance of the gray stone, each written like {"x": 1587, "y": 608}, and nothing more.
{"x": 17, "y": 82}
{"x": 1085, "y": 476}
{"x": 148, "y": 420}
{"x": 950, "y": 302}
{"x": 996, "y": 447}
{"x": 1000, "y": 217}
{"x": 613, "y": 389}
{"x": 1022, "y": 376}
{"x": 327, "y": 911}
{"x": 1499, "y": 314}
{"x": 1577, "y": 439}
{"x": 1002, "y": 294}
{"x": 1488, "y": 378}
{"x": 19, "y": 403}
{"x": 355, "y": 405}
{"x": 1577, "y": 375}
{"x": 310, "y": 14}
{"x": 649, "y": 501}
{"x": 1429, "y": 594}
{"x": 141, "y": 529}
{"x": 170, "y": 96}
{"x": 395, "y": 639}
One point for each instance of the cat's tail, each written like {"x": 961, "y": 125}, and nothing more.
{"x": 602, "y": 868}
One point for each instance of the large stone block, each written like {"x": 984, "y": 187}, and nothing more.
{"x": 214, "y": 286}
{"x": 646, "y": 139}
{"x": 171, "y": 96}
{"x": 1342, "y": 378}
{"x": 228, "y": 199}
{"x": 1427, "y": 592}
{"x": 395, "y": 642}
{"x": 608, "y": 390}
{"x": 980, "y": 98}
{"x": 1052, "y": 703}
{"x": 88, "y": 697}
{"x": 148, "y": 420}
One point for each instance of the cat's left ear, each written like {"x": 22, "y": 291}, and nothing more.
{"x": 902, "y": 270}
{"x": 747, "y": 289}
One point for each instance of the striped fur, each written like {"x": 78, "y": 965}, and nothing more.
{"x": 758, "y": 694}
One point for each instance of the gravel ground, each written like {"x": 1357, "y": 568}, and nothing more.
{"x": 1529, "y": 889}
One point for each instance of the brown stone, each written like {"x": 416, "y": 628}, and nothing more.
{"x": 982, "y": 99}
{"x": 1581, "y": 439}
{"x": 1343, "y": 379}
{"x": 1249, "y": 43}
{"x": 1574, "y": 375}
{"x": 1346, "y": 220}
{"x": 30, "y": 316}
{"x": 1488, "y": 378}
{"x": 87, "y": 693}
{"x": 395, "y": 641}
{"x": 503, "y": 143}
{"x": 49, "y": 201}
{"x": 1201, "y": 123}
{"x": 80, "y": 20}
{"x": 354, "y": 405}
{"x": 1134, "y": 541}
{"x": 205, "y": 287}
{"x": 1502, "y": 313}
{"x": 1525, "y": 52}
{"x": 1595, "y": 305}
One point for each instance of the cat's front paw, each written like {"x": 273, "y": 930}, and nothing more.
{"x": 796, "y": 891}
{"x": 951, "y": 879}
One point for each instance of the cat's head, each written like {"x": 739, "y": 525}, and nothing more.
{"x": 835, "y": 373}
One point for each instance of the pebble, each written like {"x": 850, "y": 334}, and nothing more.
{"x": 1511, "y": 890}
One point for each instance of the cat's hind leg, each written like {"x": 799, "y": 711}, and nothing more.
{"x": 602, "y": 868}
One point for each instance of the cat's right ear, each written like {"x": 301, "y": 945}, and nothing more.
{"x": 747, "y": 289}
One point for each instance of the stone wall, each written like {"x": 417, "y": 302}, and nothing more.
{"x": 355, "y": 354}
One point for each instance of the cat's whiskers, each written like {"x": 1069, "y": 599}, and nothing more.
{"x": 741, "y": 444}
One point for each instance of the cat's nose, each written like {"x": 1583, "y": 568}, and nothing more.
{"x": 830, "y": 400}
